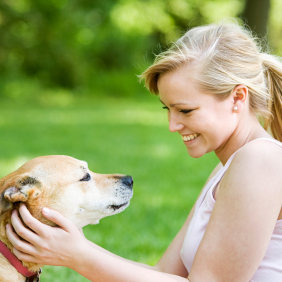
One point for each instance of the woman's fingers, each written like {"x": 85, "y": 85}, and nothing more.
{"x": 39, "y": 227}
{"x": 31, "y": 221}
{"x": 17, "y": 242}
{"x": 23, "y": 256}
{"x": 58, "y": 218}
{"x": 46, "y": 245}
{"x": 21, "y": 230}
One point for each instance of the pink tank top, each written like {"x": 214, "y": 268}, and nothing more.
{"x": 270, "y": 268}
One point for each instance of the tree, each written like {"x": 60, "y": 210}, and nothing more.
{"x": 256, "y": 16}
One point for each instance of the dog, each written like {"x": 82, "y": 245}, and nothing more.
{"x": 64, "y": 184}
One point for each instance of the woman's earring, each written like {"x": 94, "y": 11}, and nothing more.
{"x": 235, "y": 108}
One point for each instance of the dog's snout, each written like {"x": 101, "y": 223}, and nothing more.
{"x": 127, "y": 180}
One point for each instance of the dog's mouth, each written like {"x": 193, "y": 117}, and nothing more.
{"x": 117, "y": 207}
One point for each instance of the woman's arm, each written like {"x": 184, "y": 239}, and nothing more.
{"x": 99, "y": 266}
{"x": 243, "y": 218}
{"x": 66, "y": 246}
{"x": 96, "y": 247}
{"x": 171, "y": 261}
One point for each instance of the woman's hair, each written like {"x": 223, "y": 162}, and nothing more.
{"x": 226, "y": 55}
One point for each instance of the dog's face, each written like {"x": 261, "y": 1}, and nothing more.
{"x": 67, "y": 185}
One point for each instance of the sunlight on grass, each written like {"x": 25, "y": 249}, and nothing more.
{"x": 73, "y": 117}
{"x": 114, "y": 136}
{"x": 162, "y": 151}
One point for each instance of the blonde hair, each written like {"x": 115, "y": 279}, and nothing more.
{"x": 227, "y": 55}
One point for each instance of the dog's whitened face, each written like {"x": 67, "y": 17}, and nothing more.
{"x": 68, "y": 186}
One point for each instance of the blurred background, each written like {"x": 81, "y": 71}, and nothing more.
{"x": 68, "y": 85}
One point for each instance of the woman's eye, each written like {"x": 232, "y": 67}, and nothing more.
{"x": 87, "y": 177}
{"x": 165, "y": 107}
{"x": 185, "y": 111}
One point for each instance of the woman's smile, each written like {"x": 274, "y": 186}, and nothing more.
{"x": 190, "y": 137}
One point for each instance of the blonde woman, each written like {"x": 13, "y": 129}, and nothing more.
{"x": 214, "y": 82}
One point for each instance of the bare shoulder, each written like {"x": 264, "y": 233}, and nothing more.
{"x": 244, "y": 214}
{"x": 259, "y": 156}
{"x": 257, "y": 166}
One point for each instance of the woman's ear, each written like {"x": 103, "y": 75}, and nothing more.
{"x": 240, "y": 96}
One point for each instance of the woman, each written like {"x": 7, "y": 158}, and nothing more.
{"x": 213, "y": 83}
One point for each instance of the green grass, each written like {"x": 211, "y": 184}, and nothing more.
{"x": 113, "y": 136}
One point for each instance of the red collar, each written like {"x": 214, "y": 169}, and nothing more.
{"x": 15, "y": 262}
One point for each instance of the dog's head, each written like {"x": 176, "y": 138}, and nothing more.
{"x": 68, "y": 186}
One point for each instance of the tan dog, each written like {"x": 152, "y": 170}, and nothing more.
{"x": 64, "y": 184}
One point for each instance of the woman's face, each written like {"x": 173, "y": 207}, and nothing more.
{"x": 204, "y": 122}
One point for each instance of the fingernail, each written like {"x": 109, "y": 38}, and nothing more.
{"x": 7, "y": 225}
{"x": 46, "y": 210}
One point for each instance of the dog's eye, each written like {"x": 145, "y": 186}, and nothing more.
{"x": 87, "y": 177}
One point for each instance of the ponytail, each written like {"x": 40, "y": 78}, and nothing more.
{"x": 273, "y": 77}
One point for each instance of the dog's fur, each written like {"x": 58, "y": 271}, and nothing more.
{"x": 60, "y": 183}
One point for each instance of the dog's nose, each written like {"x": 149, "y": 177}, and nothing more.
{"x": 127, "y": 180}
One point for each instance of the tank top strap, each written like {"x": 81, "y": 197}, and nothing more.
{"x": 216, "y": 179}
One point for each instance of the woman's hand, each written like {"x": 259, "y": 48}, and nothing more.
{"x": 66, "y": 246}
{"x": 46, "y": 245}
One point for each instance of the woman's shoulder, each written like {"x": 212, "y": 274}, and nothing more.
{"x": 261, "y": 153}
{"x": 257, "y": 164}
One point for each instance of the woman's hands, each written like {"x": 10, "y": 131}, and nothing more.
{"x": 46, "y": 245}
{"x": 66, "y": 246}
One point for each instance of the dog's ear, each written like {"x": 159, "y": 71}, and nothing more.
{"x": 4, "y": 204}
{"x": 18, "y": 190}
{"x": 13, "y": 194}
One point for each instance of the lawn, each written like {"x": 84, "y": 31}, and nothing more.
{"x": 113, "y": 136}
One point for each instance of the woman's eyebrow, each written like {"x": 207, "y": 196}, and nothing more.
{"x": 176, "y": 104}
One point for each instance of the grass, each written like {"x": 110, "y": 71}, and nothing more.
{"x": 113, "y": 136}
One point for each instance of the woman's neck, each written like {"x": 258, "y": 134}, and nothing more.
{"x": 245, "y": 132}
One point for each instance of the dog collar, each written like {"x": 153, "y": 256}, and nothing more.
{"x": 16, "y": 263}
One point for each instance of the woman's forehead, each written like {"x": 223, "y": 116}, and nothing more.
{"x": 183, "y": 94}
{"x": 179, "y": 90}
{"x": 184, "y": 76}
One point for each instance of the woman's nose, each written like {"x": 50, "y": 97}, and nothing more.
{"x": 175, "y": 125}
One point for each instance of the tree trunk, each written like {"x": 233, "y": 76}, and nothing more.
{"x": 256, "y": 16}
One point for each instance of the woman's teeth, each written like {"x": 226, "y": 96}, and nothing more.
{"x": 190, "y": 137}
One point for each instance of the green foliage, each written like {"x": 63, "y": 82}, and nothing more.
{"x": 82, "y": 44}
{"x": 70, "y": 44}
{"x": 275, "y": 27}
{"x": 113, "y": 136}
{"x": 171, "y": 17}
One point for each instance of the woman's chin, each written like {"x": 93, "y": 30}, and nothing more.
{"x": 195, "y": 154}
